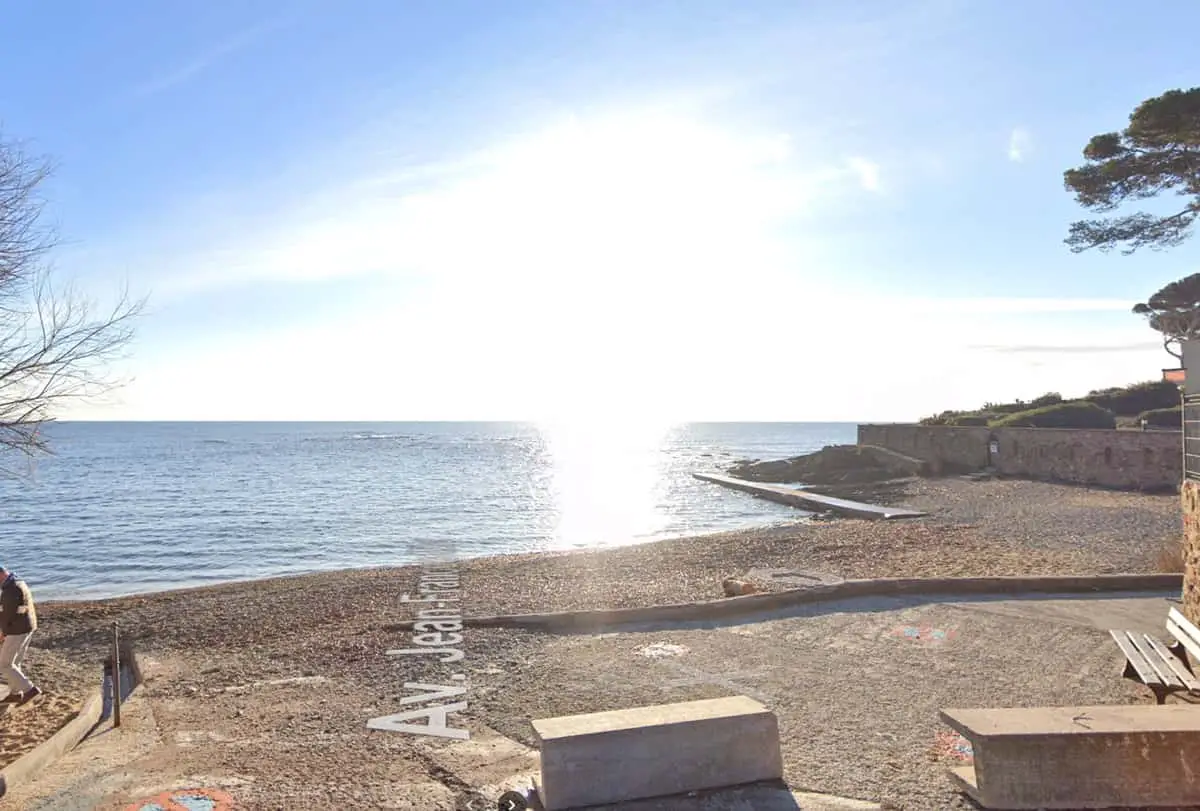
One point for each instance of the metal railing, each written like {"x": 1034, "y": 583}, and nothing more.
{"x": 1191, "y": 436}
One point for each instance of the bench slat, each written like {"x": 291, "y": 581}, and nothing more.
{"x": 1176, "y": 616}
{"x": 1145, "y": 672}
{"x": 1161, "y": 666}
{"x": 1192, "y": 648}
{"x": 1184, "y": 632}
{"x": 1172, "y": 661}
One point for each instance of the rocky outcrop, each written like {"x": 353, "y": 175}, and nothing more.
{"x": 835, "y": 464}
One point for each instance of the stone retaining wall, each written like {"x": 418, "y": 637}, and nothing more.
{"x": 1129, "y": 460}
{"x": 946, "y": 449}
{"x": 1189, "y": 494}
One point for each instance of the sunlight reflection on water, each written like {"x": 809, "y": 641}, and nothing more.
{"x": 123, "y": 508}
{"x": 608, "y": 485}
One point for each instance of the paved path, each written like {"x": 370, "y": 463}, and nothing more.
{"x": 808, "y": 500}
{"x": 857, "y": 684}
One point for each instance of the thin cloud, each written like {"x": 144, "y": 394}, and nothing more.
{"x": 1069, "y": 349}
{"x": 703, "y": 198}
{"x": 208, "y": 58}
{"x": 1020, "y": 143}
{"x": 1011, "y": 306}
{"x": 866, "y": 171}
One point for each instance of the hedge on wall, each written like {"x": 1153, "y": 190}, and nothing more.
{"x": 970, "y": 419}
{"x": 1078, "y": 414}
{"x": 1163, "y": 417}
{"x": 1131, "y": 400}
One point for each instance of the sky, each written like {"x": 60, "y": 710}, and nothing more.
{"x": 628, "y": 210}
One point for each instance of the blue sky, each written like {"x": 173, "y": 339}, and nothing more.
{"x": 564, "y": 210}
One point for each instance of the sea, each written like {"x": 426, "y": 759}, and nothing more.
{"x": 127, "y": 508}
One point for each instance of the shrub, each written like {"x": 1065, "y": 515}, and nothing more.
{"x": 1133, "y": 400}
{"x": 943, "y": 418}
{"x": 1077, "y": 414}
{"x": 1006, "y": 408}
{"x": 970, "y": 419}
{"x": 1047, "y": 399}
{"x": 1163, "y": 417}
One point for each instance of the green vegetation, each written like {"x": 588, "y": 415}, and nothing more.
{"x": 1163, "y": 417}
{"x": 1158, "y": 154}
{"x": 1156, "y": 157}
{"x": 1077, "y": 414}
{"x": 1133, "y": 400}
{"x": 1099, "y": 409}
{"x": 971, "y": 419}
{"x": 1174, "y": 312}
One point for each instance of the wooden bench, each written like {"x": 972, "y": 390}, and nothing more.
{"x": 1165, "y": 669}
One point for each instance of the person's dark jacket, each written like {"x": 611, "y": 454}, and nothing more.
{"x": 17, "y": 612}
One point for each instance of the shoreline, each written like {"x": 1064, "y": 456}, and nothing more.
{"x": 992, "y": 528}
{"x": 883, "y": 493}
{"x": 273, "y": 682}
{"x": 407, "y": 567}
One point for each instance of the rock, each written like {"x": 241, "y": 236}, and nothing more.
{"x": 835, "y": 464}
{"x": 736, "y": 587}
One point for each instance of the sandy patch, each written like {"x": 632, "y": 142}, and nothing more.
{"x": 65, "y": 686}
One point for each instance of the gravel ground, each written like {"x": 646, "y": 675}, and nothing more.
{"x": 996, "y": 527}
{"x": 336, "y": 627}
{"x": 856, "y": 698}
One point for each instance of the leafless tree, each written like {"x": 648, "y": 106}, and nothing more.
{"x": 55, "y": 344}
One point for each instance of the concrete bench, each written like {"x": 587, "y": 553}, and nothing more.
{"x": 1080, "y": 757}
{"x": 644, "y": 752}
{"x": 1164, "y": 669}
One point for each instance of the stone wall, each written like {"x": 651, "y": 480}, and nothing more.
{"x": 1190, "y": 496}
{"x": 1133, "y": 460}
{"x": 946, "y": 449}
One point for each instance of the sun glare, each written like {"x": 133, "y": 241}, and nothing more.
{"x": 580, "y": 261}
{"x": 607, "y": 479}
{"x": 615, "y": 237}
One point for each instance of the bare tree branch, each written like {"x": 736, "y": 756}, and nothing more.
{"x": 55, "y": 345}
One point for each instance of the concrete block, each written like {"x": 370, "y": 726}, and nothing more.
{"x": 609, "y": 757}
{"x": 1080, "y": 757}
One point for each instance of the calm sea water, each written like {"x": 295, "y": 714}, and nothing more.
{"x": 123, "y": 508}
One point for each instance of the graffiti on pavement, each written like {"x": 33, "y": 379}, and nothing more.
{"x": 923, "y": 634}
{"x": 186, "y": 799}
{"x": 949, "y": 744}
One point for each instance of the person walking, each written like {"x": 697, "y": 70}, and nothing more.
{"x": 18, "y": 621}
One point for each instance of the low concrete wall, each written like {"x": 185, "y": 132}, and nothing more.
{"x": 26, "y": 768}
{"x": 1129, "y": 460}
{"x": 763, "y": 604}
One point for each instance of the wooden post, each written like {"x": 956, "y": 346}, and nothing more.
{"x": 116, "y": 675}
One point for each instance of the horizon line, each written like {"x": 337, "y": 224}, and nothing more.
{"x": 439, "y": 422}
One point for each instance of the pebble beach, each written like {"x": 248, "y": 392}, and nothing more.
{"x": 333, "y": 626}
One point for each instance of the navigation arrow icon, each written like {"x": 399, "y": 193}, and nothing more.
{"x": 512, "y": 801}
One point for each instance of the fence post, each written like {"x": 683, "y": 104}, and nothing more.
{"x": 116, "y": 675}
